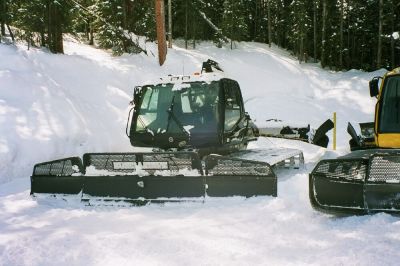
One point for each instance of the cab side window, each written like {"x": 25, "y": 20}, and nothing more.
{"x": 390, "y": 112}
{"x": 233, "y": 109}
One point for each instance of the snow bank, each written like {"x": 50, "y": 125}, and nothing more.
{"x": 53, "y": 106}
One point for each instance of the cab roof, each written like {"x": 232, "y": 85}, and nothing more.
{"x": 197, "y": 77}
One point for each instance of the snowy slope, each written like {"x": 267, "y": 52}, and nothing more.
{"x": 52, "y": 106}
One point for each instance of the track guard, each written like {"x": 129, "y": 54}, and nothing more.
{"x": 382, "y": 189}
{"x": 139, "y": 178}
{"x": 143, "y": 176}
{"x": 63, "y": 176}
{"x": 236, "y": 177}
{"x": 357, "y": 185}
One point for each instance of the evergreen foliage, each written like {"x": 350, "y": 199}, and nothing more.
{"x": 346, "y": 37}
{"x": 233, "y": 20}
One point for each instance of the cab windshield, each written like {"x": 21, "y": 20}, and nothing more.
{"x": 179, "y": 108}
{"x": 390, "y": 106}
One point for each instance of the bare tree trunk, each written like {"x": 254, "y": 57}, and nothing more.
{"x": 269, "y": 23}
{"x": 341, "y": 35}
{"x": 58, "y": 34}
{"x": 49, "y": 24}
{"x": 301, "y": 35}
{"x": 3, "y": 28}
{"x": 379, "y": 55}
{"x": 315, "y": 30}
{"x": 349, "y": 42}
{"x": 42, "y": 38}
{"x": 87, "y": 27}
{"x": 324, "y": 18}
{"x": 55, "y": 29}
{"x": 392, "y": 44}
{"x": 124, "y": 15}
{"x": 169, "y": 24}
{"x": 193, "y": 31}
{"x": 256, "y": 20}
{"x": 160, "y": 20}
{"x": 186, "y": 23}
{"x": 3, "y": 17}
{"x": 29, "y": 39}
{"x": 301, "y": 48}
{"x": 362, "y": 51}
{"x": 263, "y": 11}
{"x": 10, "y": 32}
{"x": 91, "y": 35}
{"x": 392, "y": 52}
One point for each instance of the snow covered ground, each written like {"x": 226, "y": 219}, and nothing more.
{"x": 53, "y": 106}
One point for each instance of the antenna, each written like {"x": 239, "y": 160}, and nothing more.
{"x": 183, "y": 67}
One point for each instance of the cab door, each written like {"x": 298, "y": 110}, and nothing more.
{"x": 233, "y": 106}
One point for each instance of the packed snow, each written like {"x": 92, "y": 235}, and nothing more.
{"x": 55, "y": 106}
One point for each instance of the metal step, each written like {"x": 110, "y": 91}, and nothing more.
{"x": 275, "y": 157}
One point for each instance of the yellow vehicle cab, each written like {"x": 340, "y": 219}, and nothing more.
{"x": 387, "y": 110}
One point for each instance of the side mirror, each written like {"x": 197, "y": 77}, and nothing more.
{"x": 374, "y": 87}
{"x": 136, "y": 95}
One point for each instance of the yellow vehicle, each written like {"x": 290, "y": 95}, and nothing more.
{"x": 367, "y": 179}
{"x": 387, "y": 110}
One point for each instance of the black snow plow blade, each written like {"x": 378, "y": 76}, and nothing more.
{"x": 360, "y": 183}
{"x": 152, "y": 177}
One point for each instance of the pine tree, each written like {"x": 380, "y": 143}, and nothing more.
{"x": 143, "y": 19}
{"x": 340, "y": 33}
{"x": 83, "y": 17}
{"x": 31, "y": 20}
{"x": 115, "y": 21}
{"x": 47, "y": 19}
{"x": 6, "y": 17}
{"x": 300, "y": 26}
{"x": 233, "y": 23}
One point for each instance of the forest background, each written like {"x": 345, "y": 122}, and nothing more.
{"x": 340, "y": 34}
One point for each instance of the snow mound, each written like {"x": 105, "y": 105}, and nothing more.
{"x": 53, "y": 106}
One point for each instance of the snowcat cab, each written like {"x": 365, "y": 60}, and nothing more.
{"x": 187, "y": 112}
{"x": 368, "y": 179}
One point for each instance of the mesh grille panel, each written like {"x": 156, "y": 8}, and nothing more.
{"x": 232, "y": 167}
{"x": 57, "y": 168}
{"x": 340, "y": 169}
{"x": 150, "y": 162}
{"x": 385, "y": 169}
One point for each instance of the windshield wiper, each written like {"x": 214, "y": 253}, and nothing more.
{"x": 171, "y": 114}
{"x": 144, "y": 126}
